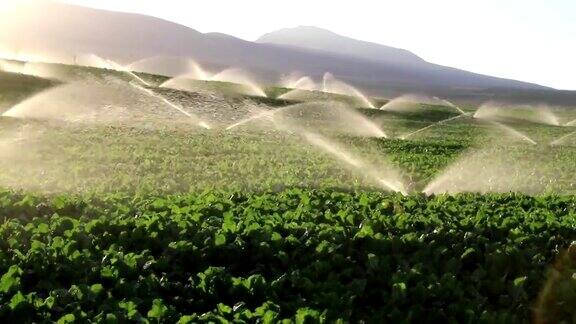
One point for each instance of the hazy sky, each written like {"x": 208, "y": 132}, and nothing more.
{"x": 528, "y": 40}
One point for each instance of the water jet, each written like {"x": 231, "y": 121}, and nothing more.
{"x": 450, "y": 104}
{"x": 571, "y": 123}
{"x": 331, "y": 116}
{"x": 561, "y": 140}
{"x": 390, "y": 181}
{"x": 238, "y": 76}
{"x": 161, "y": 65}
{"x": 513, "y": 132}
{"x": 497, "y": 168}
{"x": 331, "y": 84}
{"x": 145, "y": 89}
{"x": 407, "y": 103}
{"x": 68, "y": 102}
{"x": 193, "y": 117}
{"x": 296, "y": 81}
{"x": 500, "y": 112}
{"x": 245, "y": 84}
{"x": 403, "y": 137}
{"x": 258, "y": 114}
{"x": 118, "y": 67}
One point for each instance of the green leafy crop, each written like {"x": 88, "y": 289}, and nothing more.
{"x": 295, "y": 255}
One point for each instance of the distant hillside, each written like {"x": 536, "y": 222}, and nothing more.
{"x": 325, "y": 40}
{"x": 404, "y": 67}
{"x": 61, "y": 32}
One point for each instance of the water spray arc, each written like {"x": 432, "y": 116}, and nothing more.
{"x": 260, "y": 114}
{"x": 231, "y": 75}
{"x": 195, "y": 118}
{"x": 560, "y": 140}
{"x": 150, "y": 93}
{"x": 336, "y": 117}
{"x": 452, "y": 105}
{"x": 118, "y": 67}
{"x": 43, "y": 70}
{"x": 406, "y": 136}
{"x": 488, "y": 113}
{"x": 514, "y": 132}
{"x": 238, "y": 76}
{"x": 404, "y": 103}
{"x": 303, "y": 87}
{"x": 402, "y": 99}
{"x": 390, "y": 183}
{"x": 331, "y": 84}
{"x": 303, "y": 83}
{"x": 387, "y": 178}
{"x": 540, "y": 114}
{"x": 136, "y": 77}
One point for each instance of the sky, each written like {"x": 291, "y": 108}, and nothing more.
{"x": 528, "y": 40}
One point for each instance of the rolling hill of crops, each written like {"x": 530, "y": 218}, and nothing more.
{"x": 153, "y": 220}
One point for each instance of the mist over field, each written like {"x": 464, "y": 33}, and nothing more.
{"x": 153, "y": 173}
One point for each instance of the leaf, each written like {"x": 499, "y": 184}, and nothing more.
{"x": 186, "y": 319}
{"x": 68, "y": 318}
{"x": 11, "y": 279}
{"x": 219, "y": 239}
{"x": 365, "y": 230}
{"x": 373, "y": 261}
{"x": 224, "y": 309}
{"x": 468, "y": 253}
{"x": 266, "y": 308}
{"x": 255, "y": 282}
{"x": 109, "y": 272}
{"x": 128, "y": 306}
{"x": 49, "y": 302}
{"x": 399, "y": 291}
{"x": 158, "y": 309}
{"x": 306, "y": 315}
{"x": 131, "y": 261}
{"x": 269, "y": 317}
{"x": 228, "y": 224}
{"x": 323, "y": 247}
{"x": 519, "y": 282}
{"x": 97, "y": 289}
{"x": 276, "y": 237}
{"x": 17, "y": 301}
{"x": 43, "y": 228}
{"x": 364, "y": 201}
{"x": 159, "y": 204}
{"x": 111, "y": 318}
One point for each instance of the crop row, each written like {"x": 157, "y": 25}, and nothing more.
{"x": 295, "y": 255}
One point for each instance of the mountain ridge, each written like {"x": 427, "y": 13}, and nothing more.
{"x": 322, "y": 39}
{"x": 128, "y": 37}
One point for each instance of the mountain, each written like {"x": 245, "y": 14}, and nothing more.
{"x": 324, "y": 40}
{"x": 61, "y": 33}
{"x": 406, "y": 63}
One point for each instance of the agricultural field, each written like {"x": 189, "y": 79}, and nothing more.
{"x": 264, "y": 209}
